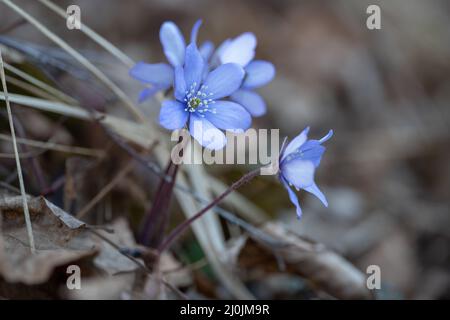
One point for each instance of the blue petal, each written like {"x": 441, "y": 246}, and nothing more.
{"x": 258, "y": 74}
{"x": 298, "y": 172}
{"x": 172, "y": 115}
{"x": 173, "y": 43}
{"x": 293, "y": 198}
{"x": 206, "y": 133}
{"x": 206, "y": 50}
{"x": 148, "y": 92}
{"x": 224, "y": 80}
{"x": 193, "y": 67}
{"x": 229, "y": 116}
{"x": 180, "y": 84}
{"x": 295, "y": 143}
{"x": 215, "y": 59}
{"x": 240, "y": 50}
{"x": 312, "y": 151}
{"x": 251, "y": 101}
{"x": 327, "y": 137}
{"x": 160, "y": 74}
{"x": 314, "y": 189}
{"x": 194, "y": 31}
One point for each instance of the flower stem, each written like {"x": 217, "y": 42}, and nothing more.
{"x": 179, "y": 230}
{"x": 156, "y": 219}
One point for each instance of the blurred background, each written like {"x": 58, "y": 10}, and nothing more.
{"x": 385, "y": 93}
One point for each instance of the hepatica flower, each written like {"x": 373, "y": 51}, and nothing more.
{"x": 240, "y": 50}
{"x": 298, "y": 163}
{"x": 199, "y": 100}
{"x": 159, "y": 76}
{"x": 258, "y": 73}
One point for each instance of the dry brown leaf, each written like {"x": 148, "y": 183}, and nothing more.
{"x": 109, "y": 259}
{"x": 325, "y": 269}
{"x": 60, "y": 240}
{"x": 121, "y": 277}
{"x": 56, "y": 236}
{"x": 174, "y": 272}
{"x": 103, "y": 288}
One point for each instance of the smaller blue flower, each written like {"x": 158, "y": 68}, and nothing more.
{"x": 199, "y": 101}
{"x": 241, "y": 50}
{"x": 298, "y": 162}
{"x": 159, "y": 76}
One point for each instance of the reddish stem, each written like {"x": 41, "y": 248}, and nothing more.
{"x": 179, "y": 230}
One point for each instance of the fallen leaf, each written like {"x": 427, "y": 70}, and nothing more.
{"x": 325, "y": 269}
{"x": 110, "y": 259}
{"x": 56, "y": 237}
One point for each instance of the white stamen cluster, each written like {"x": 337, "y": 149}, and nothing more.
{"x": 199, "y": 101}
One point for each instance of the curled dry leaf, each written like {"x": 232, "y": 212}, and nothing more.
{"x": 60, "y": 240}
{"x": 325, "y": 269}
{"x": 56, "y": 235}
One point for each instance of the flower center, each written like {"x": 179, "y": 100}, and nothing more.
{"x": 194, "y": 102}
{"x": 198, "y": 101}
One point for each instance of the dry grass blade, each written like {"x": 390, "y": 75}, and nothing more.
{"x": 93, "y": 35}
{"x": 55, "y": 146}
{"x": 108, "y": 46}
{"x": 190, "y": 207}
{"x": 81, "y": 59}
{"x": 42, "y": 85}
{"x": 23, "y": 155}
{"x": 50, "y": 106}
{"x": 16, "y": 152}
{"x": 132, "y": 131}
{"x": 211, "y": 221}
{"x": 30, "y": 88}
{"x": 106, "y": 189}
{"x": 210, "y": 225}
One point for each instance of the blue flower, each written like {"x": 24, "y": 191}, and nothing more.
{"x": 199, "y": 101}
{"x": 159, "y": 76}
{"x": 241, "y": 50}
{"x": 298, "y": 163}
